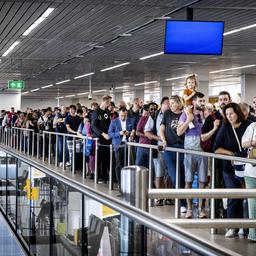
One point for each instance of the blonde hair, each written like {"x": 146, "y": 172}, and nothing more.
{"x": 178, "y": 100}
{"x": 192, "y": 77}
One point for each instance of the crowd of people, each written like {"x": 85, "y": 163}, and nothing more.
{"x": 186, "y": 122}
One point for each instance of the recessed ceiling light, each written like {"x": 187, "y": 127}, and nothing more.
{"x": 64, "y": 81}
{"x": 229, "y": 69}
{"x": 239, "y": 29}
{"x": 150, "y": 82}
{"x": 38, "y": 21}
{"x": 116, "y": 66}
{"x": 46, "y": 86}
{"x": 69, "y": 96}
{"x": 151, "y": 56}
{"x": 82, "y": 93}
{"x": 81, "y": 76}
{"x": 34, "y": 90}
{"x": 10, "y": 48}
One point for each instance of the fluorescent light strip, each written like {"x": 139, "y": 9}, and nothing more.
{"x": 150, "y": 82}
{"x": 64, "y": 81}
{"x": 38, "y": 21}
{"x": 122, "y": 87}
{"x": 177, "y": 78}
{"x": 152, "y": 55}
{"x": 61, "y": 97}
{"x": 89, "y": 74}
{"x": 27, "y": 92}
{"x": 82, "y": 93}
{"x": 47, "y": 86}
{"x": 34, "y": 90}
{"x": 69, "y": 96}
{"x": 104, "y": 90}
{"x": 228, "y": 69}
{"x": 10, "y": 48}
{"x": 239, "y": 29}
{"x": 116, "y": 66}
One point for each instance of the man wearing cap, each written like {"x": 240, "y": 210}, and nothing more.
{"x": 99, "y": 125}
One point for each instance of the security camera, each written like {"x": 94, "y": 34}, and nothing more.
{"x": 90, "y": 96}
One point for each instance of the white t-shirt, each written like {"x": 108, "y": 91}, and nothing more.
{"x": 250, "y": 170}
{"x": 123, "y": 125}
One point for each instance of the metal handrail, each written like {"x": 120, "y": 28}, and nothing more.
{"x": 198, "y": 153}
{"x": 181, "y": 236}
{"x": 201, "y": 193}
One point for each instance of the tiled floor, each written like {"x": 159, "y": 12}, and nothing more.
{"x": 8, "y": 243}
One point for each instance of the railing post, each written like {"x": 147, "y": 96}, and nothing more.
{"x": 20, "y": 141}
{"x": 177, "y": 201}
{"x": 49, "y": 148}
{"x": 213, "y": 230}
{"x": 33, "y": 143}
{"x": 129, "y": 155}
{"x": 84, "y": 163}
{"x": 96, "y": 162}
{"x": 43, "y": 154}
{"x": 125, "y": 153}
{"x": 150, "y": 174}
{"x": 24, "y": 142}
{"x": 12, "y": 138}
{"x": 111, "y": 168}
{"x": 64, "y": 152}
{"x": 73, "y": 155}
{"x": 37, "y": 145}
{"x": 56, "y": 150}
{"x": 28, "y": 144}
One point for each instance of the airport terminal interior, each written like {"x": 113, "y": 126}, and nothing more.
{"x": 127, "y": 127}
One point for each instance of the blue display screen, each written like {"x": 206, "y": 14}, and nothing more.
{"x": 194, "y": 37}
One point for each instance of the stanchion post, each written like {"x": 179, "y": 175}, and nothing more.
{"x": 49, "y": 148}
{"x": 64, "y": 152}
{"x": 96, "y": 161}
{"x": 177, "y": 201}
{"x": 73, "y": 155}
{"x": 129, "y": 155}
{"x": 33, "y": 143}
{"x": 125, "y": 153}
{"x": 56, "y": 150}
{"x": 213, "y": 230}
{"x": 84, "y": 163}
{"x": 111, "y": 168}
{"x": 37, "y": 145}
{"x": 43, "y": 154}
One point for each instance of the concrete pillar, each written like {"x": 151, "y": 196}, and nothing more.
{"x": 165, "y": 91}
{"x": 204, "y": 88}
{"x": 117, "y": 96}
{"x": 139, "y": 93}
{"x": 248, "y": 88}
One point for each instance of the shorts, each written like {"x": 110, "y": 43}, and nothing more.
{"x": 194, "y": 163}
{"x": 160, "y": 166}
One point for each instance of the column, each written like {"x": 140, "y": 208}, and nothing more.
{"x": 117, "y": 96}
{"x": 204, "y": 88}
{"x": 139, "y": 93}
{"x": 248, "y": 88}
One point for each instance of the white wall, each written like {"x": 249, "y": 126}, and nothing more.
{"x": 10, "y": 100}
{"x": 43, "y": 103}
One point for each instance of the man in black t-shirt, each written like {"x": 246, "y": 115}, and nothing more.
{"x": 210, "y": 130}
{"x": 99, "y": 125}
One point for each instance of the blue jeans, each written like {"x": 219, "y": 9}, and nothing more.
{"x": 60, "y": 150}
{"x": 235, "y": 206}
{"x": 142, "y": 157}
{"x": 170, "y": 161}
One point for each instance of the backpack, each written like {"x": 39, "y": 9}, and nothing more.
{"x": 207, "y": 146}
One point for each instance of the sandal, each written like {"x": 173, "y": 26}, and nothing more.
{"x": 189, "y": 214}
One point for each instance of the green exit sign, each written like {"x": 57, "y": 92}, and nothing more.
{"x": 16, "y": 84}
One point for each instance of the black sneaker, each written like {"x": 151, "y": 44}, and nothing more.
{"x": 169, "y": 202}
{"x": 159, "y": 202}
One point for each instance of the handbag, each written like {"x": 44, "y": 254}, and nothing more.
{"x": 252, "y": 151}
{"x": 239, "y": 166}
{"x": 207, "y": 146}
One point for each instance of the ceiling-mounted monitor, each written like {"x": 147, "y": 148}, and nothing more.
{"x": 194, "y": 37}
